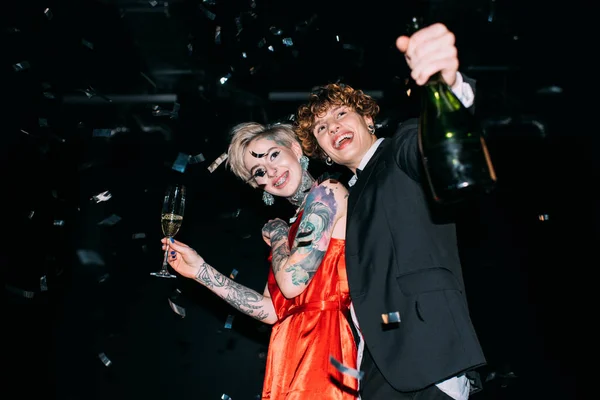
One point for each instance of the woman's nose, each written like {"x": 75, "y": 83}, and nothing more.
{"x": 271, "y": 172}
{"x": 333, "y": 128}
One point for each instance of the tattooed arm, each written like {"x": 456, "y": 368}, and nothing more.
{"x": 295, "y": 267}
{"x": 258, "y": 306}
{"x": 187, "y": 262}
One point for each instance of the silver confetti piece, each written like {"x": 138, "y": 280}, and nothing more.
{"x": 217, "y": 162}
{"x": 23, "y": 65}
{"x": 225, "y": 397}
{"x": 43, "y": 284}
{"x": 198, "y": 158}
{"x": 19, "y": 292}
{"x": 138, "y": 235}
{"x": 113, "y": 219}
{"x": 31, "y": 214}
{"x": 87, "y": 44}
{"x": 102, "y": 196}
{"x": 229, "y": 321}
{"x": 105, "y": 360}
{"x": 177, "y": 309}
{"x": 59, "y": 222}
{"x": 89, "y": 257}
{"x": 391, "y": 318}
{"x": 102, "y": 132}
{"x": 356, "y": 374}
{"x": 103, "y": 278}
{"x": 48, "y": 13}
{"x": 181, "y": 162}
{"x": 233, "y": 273}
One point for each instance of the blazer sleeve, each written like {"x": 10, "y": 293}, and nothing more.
{"x": 405, "y": 147}
{"x": 406, "y": 144}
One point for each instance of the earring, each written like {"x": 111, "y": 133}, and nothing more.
{"x": 304, "y": 162}
{"x": 329, "y": 161}
{"x": 268, "y": 198}
{"x": 371, "y": 129}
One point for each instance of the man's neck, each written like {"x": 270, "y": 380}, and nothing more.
{"x": 357, "y": 163}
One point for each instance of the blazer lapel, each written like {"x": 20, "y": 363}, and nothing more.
{"x": 357, "y": 190}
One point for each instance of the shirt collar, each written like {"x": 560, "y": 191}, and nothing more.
{"x": 365, "y": 160}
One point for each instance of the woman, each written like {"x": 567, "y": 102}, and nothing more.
{"x": 306, "y": 298}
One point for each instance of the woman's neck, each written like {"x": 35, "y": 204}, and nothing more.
{"x": 297, "y": 199}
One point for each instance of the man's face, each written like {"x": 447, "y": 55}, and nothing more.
{"x": 344, "y": 135}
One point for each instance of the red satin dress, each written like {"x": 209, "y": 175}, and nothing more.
{"x": 310, "y": 328}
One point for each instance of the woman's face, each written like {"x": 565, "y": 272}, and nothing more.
{"x": 274, "y": 166}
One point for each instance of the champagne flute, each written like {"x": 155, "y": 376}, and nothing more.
{"x": 171, "y": 219}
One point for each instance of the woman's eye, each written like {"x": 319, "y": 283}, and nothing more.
{"x": 341, "y": 113}
{"x": 259, "y": 173}
{"x": 274, "y": 155}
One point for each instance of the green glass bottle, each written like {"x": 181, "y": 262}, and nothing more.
{"x": 456, "y": 160}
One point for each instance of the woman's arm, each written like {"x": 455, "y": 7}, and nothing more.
{"x": 187, "y": 262}
{"x": 258, "y": 306}
{"x": 294, "y": 268}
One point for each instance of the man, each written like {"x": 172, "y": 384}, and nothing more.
{"x": 403, "y": 269}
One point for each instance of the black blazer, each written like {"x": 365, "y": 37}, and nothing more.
{"x": 399, "y": 260}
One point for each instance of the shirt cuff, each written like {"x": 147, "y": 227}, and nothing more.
{"x": 463, "y": 91}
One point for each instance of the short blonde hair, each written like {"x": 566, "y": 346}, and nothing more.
{"x": 243, "y": 134}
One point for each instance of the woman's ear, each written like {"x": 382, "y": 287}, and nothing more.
{"x": 368, "y": 120}
{"x": 297, "y": 149}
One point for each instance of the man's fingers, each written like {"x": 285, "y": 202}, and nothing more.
{"x": 402, "y": 43}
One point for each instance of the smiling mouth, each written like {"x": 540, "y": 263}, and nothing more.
{"x": 282, "y": 179}
{"x": 341, "y": 139}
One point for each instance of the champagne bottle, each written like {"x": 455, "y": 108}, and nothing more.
{"x": 456, "y": 160}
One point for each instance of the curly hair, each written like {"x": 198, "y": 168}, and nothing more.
{"x": 319, "y": 102}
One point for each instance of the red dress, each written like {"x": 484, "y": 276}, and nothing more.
{"x": 310, "y": 328}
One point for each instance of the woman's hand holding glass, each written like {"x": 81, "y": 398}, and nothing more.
{"x": 182, "y": 258}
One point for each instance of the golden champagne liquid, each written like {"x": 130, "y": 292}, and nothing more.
{"x": 171, "y": 224}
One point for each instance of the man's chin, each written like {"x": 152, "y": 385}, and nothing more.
{"x": 346, "y": 158}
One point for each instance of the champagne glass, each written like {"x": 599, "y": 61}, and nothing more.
{"x": 171, "y": 219}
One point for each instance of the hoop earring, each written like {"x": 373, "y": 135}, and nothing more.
{"x": 304, "y": 162}
{"x": 371, "y": 129}
{"x": 329, "y": 161}
{"x": 268, "y": 198}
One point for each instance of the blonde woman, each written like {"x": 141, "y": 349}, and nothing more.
{"x": 306, "y": 297}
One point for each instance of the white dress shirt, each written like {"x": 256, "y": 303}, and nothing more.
{"x": 458, "y": 387}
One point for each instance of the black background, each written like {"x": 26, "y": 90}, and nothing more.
{"x": 521, "y": 270}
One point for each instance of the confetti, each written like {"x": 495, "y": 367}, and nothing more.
{"x": 177, "y": 309}
{"x": 89, "y": 257}
{"x": 391, "y": 318}
{"x": 198, "y": 158}
{"x": 181, "y": 162}
{"x": 229, "y": 321}
{"x": 215, "y": 164}
{"x": 346, "y": 370}
{"x": 104, "y": 196}
{"x": 138, "y": 235}
{"x": 19, "y": 292}
{"x": 113, "y": 219}
{"x": 233, "y": 273}
{"x": 105, "y": 360}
